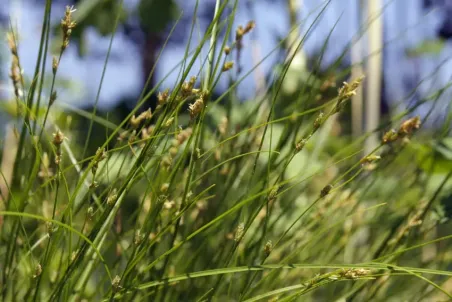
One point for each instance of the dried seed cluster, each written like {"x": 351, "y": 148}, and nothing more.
{"x": 406, "y": 129}
{"x": 344, "y": 93}
{"x": 67, "y": 25}
{"x": 15, "y": 73}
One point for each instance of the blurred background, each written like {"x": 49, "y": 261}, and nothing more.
{"x": 404, "y": 44}
{"x": 403, "y": 47}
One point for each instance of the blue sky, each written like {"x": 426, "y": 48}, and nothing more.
{"x": 406, "y": 25}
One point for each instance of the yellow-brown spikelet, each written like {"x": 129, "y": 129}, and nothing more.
{"x": 196, "y": 107}
{"x": 347, "y": 91}
{"x": 112, "y": 197}
{"x": 390, "y": 136}
{"x": 66, "y": 26}
{"x": 187, "y": 87}
{"x": 168, "y": 122}
{"x": 249, "y": 27}
{"x": 116, "y": 283}
{"x": 239, "y": 232}
{"x": 228, "y": 66}
{"x": 162, "y": 97}
{"x": 15, "y": 76}
{"x": 55, "y": 64}
{"x": 223, "y": 126}
{"x": 326, "y": 190}
{"x": 409, "y": 126}
{"x": 239, "y": 32}
{"x": 370, "y": 159}
{"x": 183, "y": 135}
{"x": 45, "y": 171}
{"x": 136, "y": 121}
{"x": 15, "y": 72}
{"x": 319, "y": 121}
{"x": 268, "y": 248}
{"x": 12, "y": 43}
{"x": 58, "y": 138}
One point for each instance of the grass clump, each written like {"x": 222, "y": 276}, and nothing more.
{"x": 202, "y": 197}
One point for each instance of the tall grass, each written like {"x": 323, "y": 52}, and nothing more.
{"x": 206, "y": 198}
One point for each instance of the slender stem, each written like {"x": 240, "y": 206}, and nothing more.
{"x": 213, "y": 43}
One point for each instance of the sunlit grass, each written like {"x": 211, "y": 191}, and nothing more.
{"x": 206, "y": 198}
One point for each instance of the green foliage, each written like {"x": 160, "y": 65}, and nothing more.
{"x": 428, "y": 47}
{"x": 228, "y": 201}
{"x": 155, "y": 15}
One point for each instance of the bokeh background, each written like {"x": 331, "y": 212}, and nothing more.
{"x": 415, "y": 53}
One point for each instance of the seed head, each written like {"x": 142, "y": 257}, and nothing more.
{"x": 354, "y": 273}
{"x": 38, "y": 270}
{"x": 249, "y": 26}
{"x": 300, "y": 145}
{"x": 183, "y": 135}
{"x": 138, "y": 237}
{"x": 169, "y": 204}
{"x": 409, "y": 126}
{"x": 66, "y": 26}
{"x": 55, "y": 64}
{"x": 164, "y": 187}
{"x": 15, "y": 76}
{"x": 58, "y": 138}
{"x": 187, "y": 87}
{"x": 173, "y": 151}
{"x": 239, "y": 32}
{"x": 347, "y": 91}
{"x": 58, "y": 158}
{"x": 50, "y": 228}
{"x": 390, "y": 136}
{"x": 318, "y": 121}
{"x": 273, "y": 194}
{"x": 196, "y": 108}
{"x": 53, "y": 98}
{"x": 112, "y": 197}
{"x": 12, "y": 43}
{"x": 90, "y": 212}
{"x": 74, "y": 255}
{"x": 227, "y": 50}
{"x": 116, "y": 283}
{"x": 223, "y": 126}
{"x": 228, "y": 66}
{"x": 45, "y": 171}
{"x": 168, "y": 122}
{"x": 268, "y": 248}
{"x": 370, "y": 159}
{"x": 239, "y": 232}
{"x": 136, "y": 121}
{"x": 326, "y": 190}
{"x": 101, "y": 154}
{"x": 166, "y": 162}
{"x": 162, "y": 97}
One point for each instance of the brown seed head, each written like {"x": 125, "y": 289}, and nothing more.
{"x": 228, "y": 66}
{"x": 326, "y": 190}
{"x": 196, "y": 107}
{"x": 390, "y": 136}
{"x": 249, "y": 26}
{"x": 66, "y": 26}
{"x": 162, "y": 97}
{"x": 12, "y": 43}
{"x": 58, "y": 138}
{"x": 268, "y": 248}
{"x": 409, "y": 126}
{"x": 318, "y": 121}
